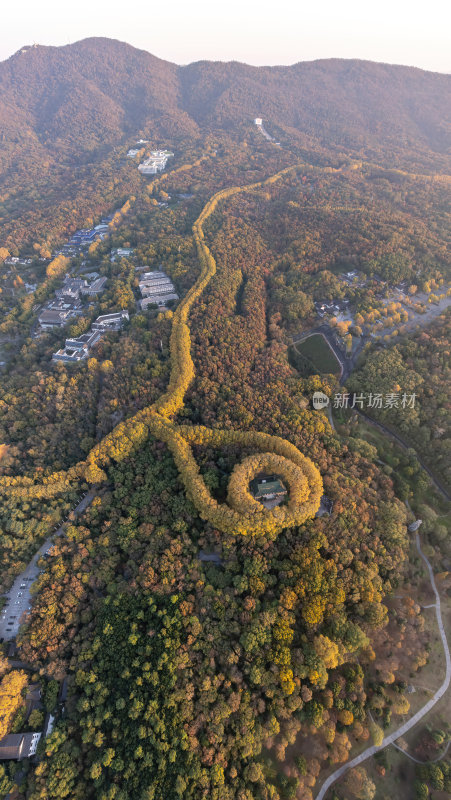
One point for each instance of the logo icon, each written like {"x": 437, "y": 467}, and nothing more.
{"x": 320, "y": 400}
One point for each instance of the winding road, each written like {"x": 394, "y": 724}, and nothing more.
{"x": 406, "y": 726}
{"x": 19, "y": 596}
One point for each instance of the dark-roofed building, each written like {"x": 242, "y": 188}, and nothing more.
{"x": 16, "y": 746}
{"x": 53, "y": 318}
{"x": 63, "y": 691}
{"x": 269, "y": 487}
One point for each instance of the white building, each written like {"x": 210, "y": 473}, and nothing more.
{"x": 158, "y": 300}
{"x": 258, "y": 121}
{"x": 121, "y": 252}
{"x": 112, "y": 322}
{"x": 77, "y": 349}
{"x": 155, "y": 163}
{"x": 156, "y": 288}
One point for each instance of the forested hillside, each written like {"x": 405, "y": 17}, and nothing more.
{"x": 98, "y": 89}
{"x": 67, "y": 114}
{"x": 212, "y": 647}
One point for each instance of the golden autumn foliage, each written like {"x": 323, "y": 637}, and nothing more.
{"x": 242, "y": 514}
{"x": 377, "y": 734}
{"x": 11, "y": 699}
{"x": 328, "y": 651}
{"x": 57, "y": 267}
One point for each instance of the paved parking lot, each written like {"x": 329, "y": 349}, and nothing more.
{"x": 19, "y": 597}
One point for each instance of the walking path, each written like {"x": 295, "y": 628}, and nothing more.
{"x": 406, "y": 726}
{"x": 19, "y": 595}
{"x": 417, "y": 761}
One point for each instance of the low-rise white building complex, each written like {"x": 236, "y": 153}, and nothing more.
{"x": 110, "y": 322}
{"x": 58, "y": 313}
{"x": 156, "y": 289}
{"x": 156, "y": 162}
{"x": 78, "y": 349}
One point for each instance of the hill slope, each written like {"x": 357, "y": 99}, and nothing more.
{"x": 100, "y": 89}
{"x": 65, "y": 111}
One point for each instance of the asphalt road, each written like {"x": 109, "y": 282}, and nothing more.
{"x": 19, "y": 596}
{"x": 371, "y": 751}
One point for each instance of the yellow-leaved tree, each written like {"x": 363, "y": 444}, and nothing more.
{"x": 11, "y": 698}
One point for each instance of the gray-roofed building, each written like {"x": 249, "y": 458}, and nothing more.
{"x": 91, "y": 275}
{"x": 77, "y": 349}
{"x": 153, "y": 275}
{"x": 156, "y": 287}
{"x": 71, "y": 288}
{"x": 94, "y": 288}
{"x": 53, "y": 318}
{"x": 49, "y": 724}
{"x": 16, "y": 746}
{"x": 112, "y": 322}
{"x": 75, "y": 283}
{"x": 158, "y": 300}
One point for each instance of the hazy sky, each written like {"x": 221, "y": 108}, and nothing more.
{"x": 413, "y": 32}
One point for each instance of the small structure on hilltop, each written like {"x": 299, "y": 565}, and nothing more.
{"x": 268, "y": 489}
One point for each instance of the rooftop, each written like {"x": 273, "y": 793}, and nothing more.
{"x": 52, "y": 316}
{"x": 270, "y": 486}
{"x": 158, "y": 299}
{"x": 19, "y": 745}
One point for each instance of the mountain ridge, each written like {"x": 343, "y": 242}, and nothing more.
{"x": 90, "y": 39}
{"x": 109, "y": 86}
